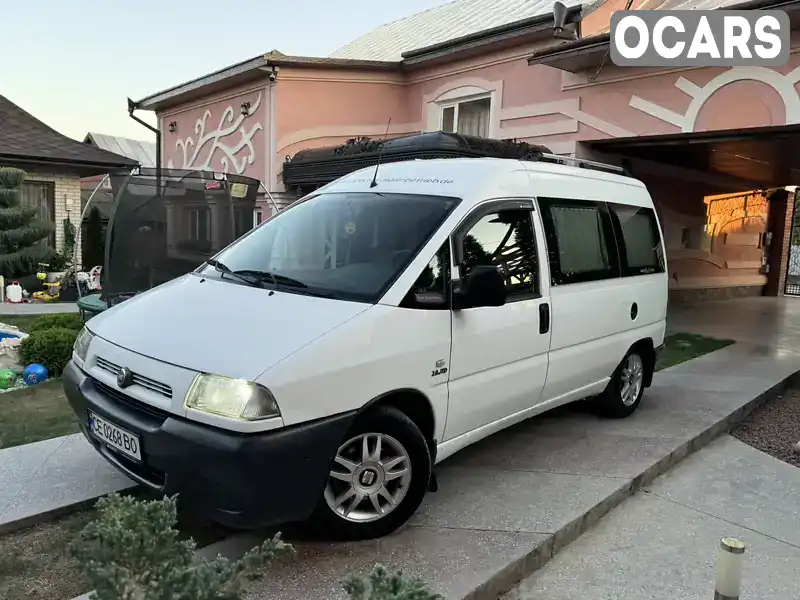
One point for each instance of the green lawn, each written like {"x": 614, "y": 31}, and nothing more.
{"x": 22, "y": 322}
{"x": 33, "y": 413}
{"x": 681, "y": 347}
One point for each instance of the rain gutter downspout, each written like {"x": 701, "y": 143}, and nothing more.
{"x": 132, "y": 106}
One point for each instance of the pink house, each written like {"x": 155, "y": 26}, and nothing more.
{"x": 716, "y": 146}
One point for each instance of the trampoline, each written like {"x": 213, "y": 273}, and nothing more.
{"x": 157, "y": 233}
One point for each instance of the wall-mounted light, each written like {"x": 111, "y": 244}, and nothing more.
{"x": 173, "y": 125}
{"x": 245, "y": 108}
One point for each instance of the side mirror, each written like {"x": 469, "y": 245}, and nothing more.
{"x": 484, "y": 286}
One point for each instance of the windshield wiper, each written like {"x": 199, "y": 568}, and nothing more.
{"x": 282, "y": 280}
{"x": 225, "y": 270}
{"x": 276, "y": 279}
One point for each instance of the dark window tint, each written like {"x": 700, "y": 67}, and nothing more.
{"x": 504, "y": 239}
{"x": 580, "y": 241}
{"x": 640, "y": 243}
{"x": 434, "y": 279}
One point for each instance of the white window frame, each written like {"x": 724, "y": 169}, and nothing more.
{"x": 462, "y": 100}
{"x": 257, "y": 217}
{"x": 194, "y": 224}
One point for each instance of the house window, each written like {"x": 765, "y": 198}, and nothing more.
{"x": 42, "y": 195}
{"x": 468, "y": 117}
{"x": 257, "y": 218}
{"x": 200, "y": 225}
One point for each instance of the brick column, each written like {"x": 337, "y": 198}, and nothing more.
{"x": 68, "y": 206}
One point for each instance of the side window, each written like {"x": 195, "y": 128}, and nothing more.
{"x": 641, "y": 252}
{"x": 580, "y": 241}
{"x": 506, "y": 240}
{"x": 434, "y": 279}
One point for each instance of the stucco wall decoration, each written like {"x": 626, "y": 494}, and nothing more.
{"x": 782, "y": 84}
{"x": 234, "y": 154}
{"x": 570, "y": 108}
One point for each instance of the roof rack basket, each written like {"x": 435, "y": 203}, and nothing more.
{"x": 318, "y": 166}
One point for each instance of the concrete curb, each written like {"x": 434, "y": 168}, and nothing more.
{"x": 504, "y": 580}
{"x": 47, "y": 516}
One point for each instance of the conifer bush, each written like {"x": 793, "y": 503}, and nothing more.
{"x": 133, "y": 551}
{"x": 20, "y": 229}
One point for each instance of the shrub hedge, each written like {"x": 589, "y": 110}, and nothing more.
{"x": 63, "y": 321}
{"x": 49, "y": 347}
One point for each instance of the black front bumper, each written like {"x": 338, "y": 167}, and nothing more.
{"x": 239, "y": 480}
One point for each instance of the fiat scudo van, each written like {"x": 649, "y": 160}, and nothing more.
{"x": 321, "y": 365}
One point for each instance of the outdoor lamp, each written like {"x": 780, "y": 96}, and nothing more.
{"x": 172, "y": 126}
{"x": 245, "y": 108}
{"x": 729, "y": 569}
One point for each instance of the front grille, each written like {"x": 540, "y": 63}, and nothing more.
{"x": 133, "y": 403}
{"x": 145, "y": 382}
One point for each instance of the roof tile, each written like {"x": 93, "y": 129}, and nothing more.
{"x": 24, "y": 136}
{"x": 142, "y": 152}
{"x": 441, "y": 24}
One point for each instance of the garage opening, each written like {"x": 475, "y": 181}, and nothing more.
{"x": 726, "y": 201}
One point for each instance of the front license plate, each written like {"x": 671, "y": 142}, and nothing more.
{"x": 114, "y": 436}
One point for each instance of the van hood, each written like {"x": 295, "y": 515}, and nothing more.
{"x": 220, "y": 327}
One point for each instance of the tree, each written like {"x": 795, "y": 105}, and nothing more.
{"x": 132, "y": 551}
{"x": 20, "y": 229}
{"x": 474, "y": 253}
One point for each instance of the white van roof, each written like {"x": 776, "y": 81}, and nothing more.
{"x": 475, "y": 179}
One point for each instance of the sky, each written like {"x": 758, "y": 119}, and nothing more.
{"x": 74, "y": 64}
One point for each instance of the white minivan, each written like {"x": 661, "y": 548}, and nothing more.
{"x": 321, "y": 365}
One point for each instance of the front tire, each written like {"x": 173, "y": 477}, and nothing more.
{"x": 378, "y": 477}
{"x": 625, "y": 390}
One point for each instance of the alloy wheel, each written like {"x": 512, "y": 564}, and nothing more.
{"x": 631, "y": 378}
{"x": 369, "y": 479}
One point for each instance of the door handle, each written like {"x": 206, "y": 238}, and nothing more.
{"x": 544, "y": 318}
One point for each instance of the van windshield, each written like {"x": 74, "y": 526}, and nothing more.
{"x": 348, "y": 246}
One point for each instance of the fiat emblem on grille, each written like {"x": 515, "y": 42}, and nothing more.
{"x": 124, "y": 377}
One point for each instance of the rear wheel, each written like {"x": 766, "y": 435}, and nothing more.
{"x": 625, "y": 390}
{"x": 378, "y": 478}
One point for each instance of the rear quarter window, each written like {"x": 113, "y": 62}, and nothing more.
{"x": 640, "y": 245}
{"x": 580, "y": 240}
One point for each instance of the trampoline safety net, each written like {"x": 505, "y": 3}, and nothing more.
{"x": 160, "y": 232}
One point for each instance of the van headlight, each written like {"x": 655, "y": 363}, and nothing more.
{"x": 235, "y": 398}
{"x": 81, "y": 346}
